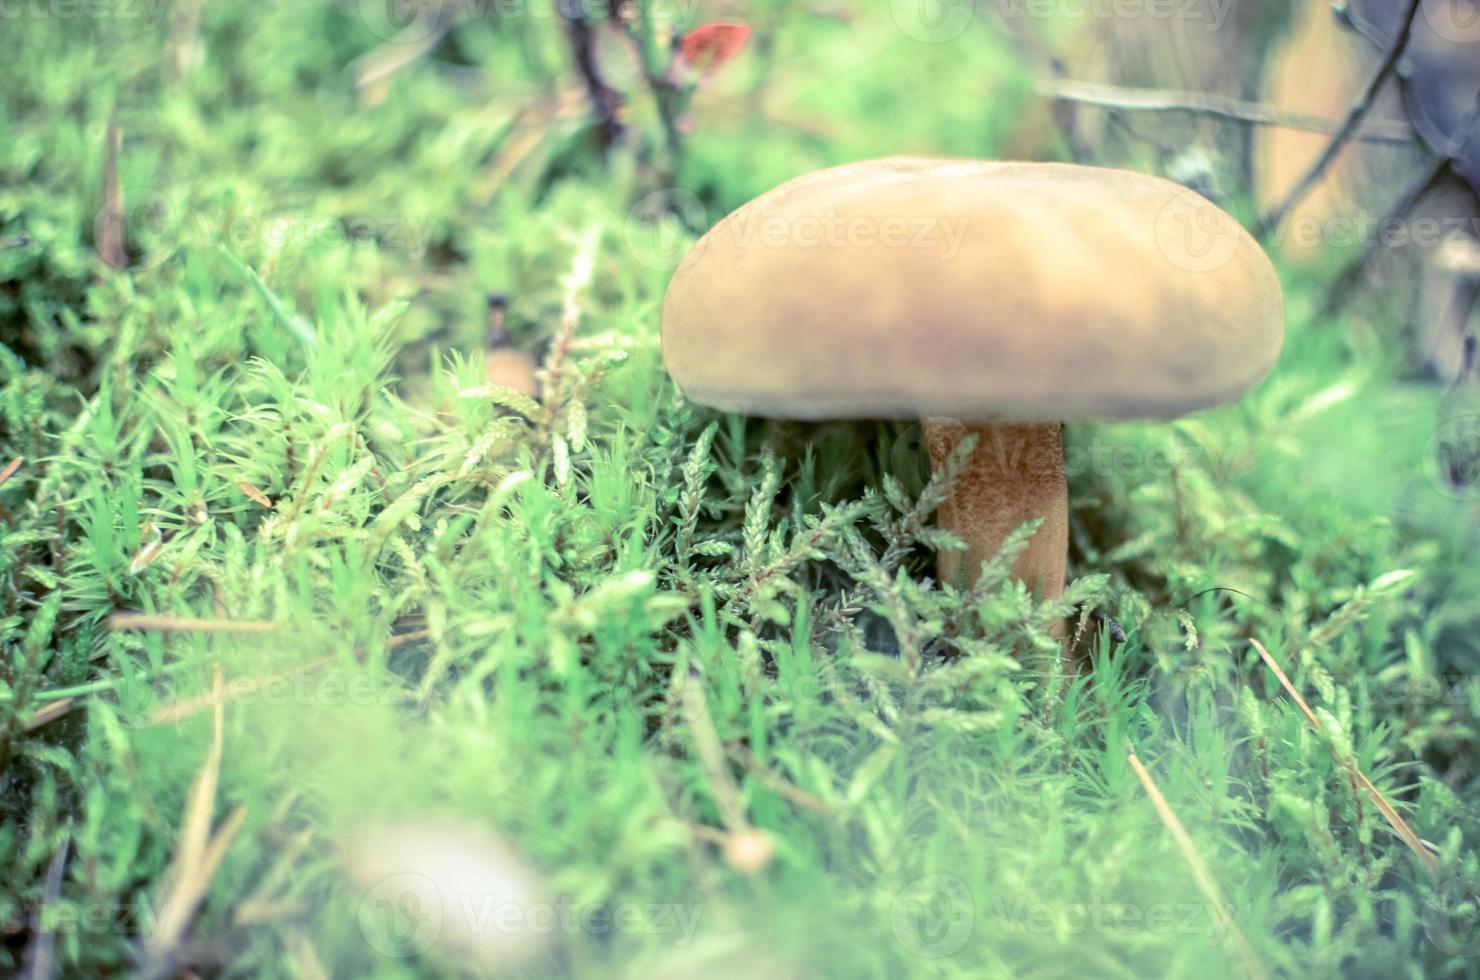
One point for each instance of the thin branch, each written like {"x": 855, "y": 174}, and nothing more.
{"x": 402, "y": 639}
{"x": 41, "y": 957}
{"x": 177, "y": 624}
{"x": 1394, "y": 819}
{"x": 198, "y": 855}
{"x": 1467, "y": 352}
{"x": 1065, "y": 111}
{"x": 47, "y": 714}
{"x": 777, "y": 782}
{"x": 1211, "y": 104}
{"x": 111, "y": 226}
{"x": 184, "y": 40}
{"x": 711, "y": 754}
{"x": 605, "y": 100}
{"x": 1345, "y": 284}
{"x": 1359, "y": 110}
{"x": 1200, "y": 873}
{"x": 667, "y": 95}
{"x": 239, "y": 688}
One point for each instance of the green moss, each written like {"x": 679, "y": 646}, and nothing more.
{"x": 515, "y": 613}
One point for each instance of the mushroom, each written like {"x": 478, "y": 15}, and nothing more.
{"x": 502, "y": 363}
{"x": 431, "y": 885}
{"x": 994, "y": 298}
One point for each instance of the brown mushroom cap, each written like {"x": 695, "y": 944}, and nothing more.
{"x": 981, "y": 290}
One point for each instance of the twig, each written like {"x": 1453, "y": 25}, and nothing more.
{"x": 237, "y": 689}
{"x": 777, "y": 782}
{"x": 184, "y": 41}
{"x": 1393, "y": 817}
{"x": 301, "y": 499}
{"x": 256, "y": 495}
{"x": 605, "y": 100}
{"x": 198, "y": 855}
{"x": 110, "y": 229}
{"x": 1200, "y": 873}
{"x": 1065, "y": 111}
{"x": 1345, "y": 284}
{"x": 180, "y": 624}
{"x": 41, "y": 957}
{"x": 1212, "y": 104}
{"x": 667, "y": 96}
{"x": 10, "y": 469}
{"x": 1467, "y": 355}
{"x": 402, "y": 639}
{"x": 711, "y": 753}
{"x": 1359, "y": 109}
{"x": 47, "y": 714}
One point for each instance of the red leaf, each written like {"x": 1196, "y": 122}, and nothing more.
{"x": 707, "y": 47}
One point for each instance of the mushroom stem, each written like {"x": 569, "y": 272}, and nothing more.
{"x": 1015, "y": 474}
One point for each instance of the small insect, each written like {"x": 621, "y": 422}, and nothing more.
{"x": 1116, "y": 632}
